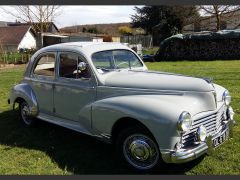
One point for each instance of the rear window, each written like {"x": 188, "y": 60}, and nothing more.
{"x": 45, "y": 65}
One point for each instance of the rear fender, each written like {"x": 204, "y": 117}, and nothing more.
{"x": 25, "y": 92}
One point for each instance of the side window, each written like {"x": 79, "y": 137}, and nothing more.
{"x": 68, "y": 67}
{"x": 45, "y": 65}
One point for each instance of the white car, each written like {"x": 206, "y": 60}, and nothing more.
{"x": 105, "y": 90}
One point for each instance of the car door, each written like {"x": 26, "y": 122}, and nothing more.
{"x": 74, "y": 91}
{"x": 41, "y": 81}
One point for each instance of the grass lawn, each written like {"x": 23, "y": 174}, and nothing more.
{"x": 49, "y": 149}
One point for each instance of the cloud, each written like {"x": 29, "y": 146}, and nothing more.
{"x": 73, "y": 15}
{"x": 78, "y": 15}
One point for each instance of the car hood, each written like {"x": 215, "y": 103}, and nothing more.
{"x": 156, "y": 81}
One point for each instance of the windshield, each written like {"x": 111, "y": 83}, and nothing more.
{"x": 109, "y": 60}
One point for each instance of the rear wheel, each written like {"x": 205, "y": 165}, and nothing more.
{"x": 138, "y": 148}
{"x": 24, "y": 114}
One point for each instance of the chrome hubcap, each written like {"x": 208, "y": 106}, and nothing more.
{"x": 25, "y": 113}
{"x": 140, "y": 151}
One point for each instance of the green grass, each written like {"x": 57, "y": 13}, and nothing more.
{"x": 49, "y": 149}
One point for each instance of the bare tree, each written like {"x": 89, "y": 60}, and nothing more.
{"x": 218, "y": 11}
{"x": 38, "y": 16}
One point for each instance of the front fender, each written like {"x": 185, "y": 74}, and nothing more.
{"x": 159, "y": 116}
{"x": 25, "y": 92}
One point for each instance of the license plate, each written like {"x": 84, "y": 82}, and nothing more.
{"x": 220, "y": 139}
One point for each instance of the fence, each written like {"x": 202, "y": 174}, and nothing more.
{"x": 14, "y": 58}
{"x": 145, "y": 40}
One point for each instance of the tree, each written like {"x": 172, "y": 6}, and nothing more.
{"x": 138, "y": 31}
{"x": 125, "y": 30}
{"x": 34, "y": 14}
{"x": 84, "y": 29}
{"x": 218, "y": 11}
{"x": 169, "y": 19}
{"x": 93, "y": 30}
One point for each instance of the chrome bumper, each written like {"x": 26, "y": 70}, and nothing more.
{"x": 194, "y": 151}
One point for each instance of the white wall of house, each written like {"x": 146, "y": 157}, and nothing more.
{"x": 28, "y": 41}
{"x": 97, "y": 40}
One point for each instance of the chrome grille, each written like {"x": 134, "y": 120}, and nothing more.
{"x": 212, "y": 122}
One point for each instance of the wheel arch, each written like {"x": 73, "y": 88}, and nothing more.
{"x": 126, "y": 122}
{"x": 23, "y": 92}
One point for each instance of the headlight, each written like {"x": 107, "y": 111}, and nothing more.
{"x": 226, "y": 97}
{"x": 184, "y": 122}
{"x": 201, "y": 133}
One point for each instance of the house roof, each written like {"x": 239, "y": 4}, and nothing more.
{"x": 36, "y": 24}
{"x": 12, "y": 35}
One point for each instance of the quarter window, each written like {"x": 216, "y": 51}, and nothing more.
{"x": 45, "y": 65}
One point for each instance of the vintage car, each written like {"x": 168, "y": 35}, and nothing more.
{"x": 106, "y": 91}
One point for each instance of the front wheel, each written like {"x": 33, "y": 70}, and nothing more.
{"x": 138, "y": 148}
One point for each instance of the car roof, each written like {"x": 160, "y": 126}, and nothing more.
{"x": 86, "y": 47}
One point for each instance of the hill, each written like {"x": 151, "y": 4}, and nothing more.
{"x": 110, "y": 29}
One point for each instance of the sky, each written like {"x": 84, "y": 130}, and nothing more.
{"x": 78, "y": 15}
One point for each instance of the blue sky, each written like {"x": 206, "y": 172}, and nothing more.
{"x": 76, "y": 15}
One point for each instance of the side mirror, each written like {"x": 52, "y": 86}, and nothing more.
{"x": 82, "y": 66}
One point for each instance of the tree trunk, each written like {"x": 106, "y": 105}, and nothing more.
{"x": 218, "y": 22}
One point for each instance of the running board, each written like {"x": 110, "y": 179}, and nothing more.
{"x": 73, "y": 125}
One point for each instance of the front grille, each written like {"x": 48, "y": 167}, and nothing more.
{"x": 212, "y": 122}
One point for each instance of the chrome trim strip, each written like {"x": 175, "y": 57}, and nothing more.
{"x": 147, "y": 91}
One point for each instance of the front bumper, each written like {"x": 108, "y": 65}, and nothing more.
{"x": 196, "y": 150}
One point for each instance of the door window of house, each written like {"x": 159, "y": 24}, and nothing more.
{"x": 197, "y": 27}
{"x": 223, "y": 25}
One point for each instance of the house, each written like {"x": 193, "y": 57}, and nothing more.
{"x": 3, "y": 23}
{"x": 36, "y": 38}
{"x": 116, "y": 38}
{"x": 228, "y": 21}
{"x": 15, "y": 38}
{"x": 47, "y": 27}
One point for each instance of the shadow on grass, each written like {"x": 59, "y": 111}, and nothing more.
{"x": 73, "y": 151}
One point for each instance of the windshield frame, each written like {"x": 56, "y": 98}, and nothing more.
{"x": 110, "y": 70}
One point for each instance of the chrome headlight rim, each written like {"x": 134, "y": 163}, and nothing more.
{"x": 226, "y": 97}
{"x": 184, "y": 122}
